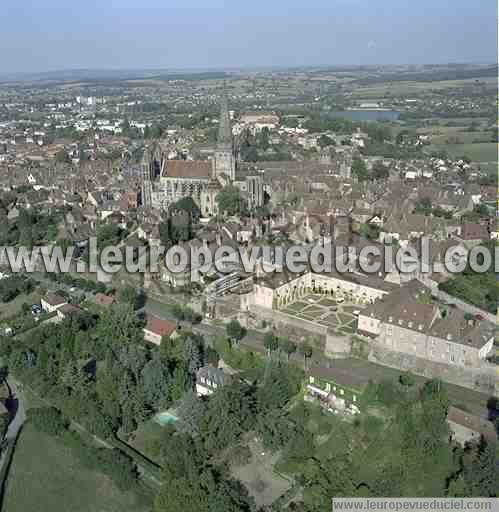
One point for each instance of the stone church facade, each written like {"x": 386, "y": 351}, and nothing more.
{"x": 165, "y": 182}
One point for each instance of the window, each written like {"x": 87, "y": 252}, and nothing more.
{"x": 311, "y": 380}
{"x": 342, "y": 392}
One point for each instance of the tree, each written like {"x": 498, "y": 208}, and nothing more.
{"x": 129, "y": 295}
{"x": 235, "y": 331}
{"x": 188, "y": 204}
{"x": 359, "y": 169}
{"x": 288, "y": 346}
{"x": 155, "y": 381}
{"x": 380, "y": 171}
{"x": 482, "y": 473}
{"x": 230, "y": 201}
{"x": 189, "y": 412}
{"x": 263, "y": 139}
{"x": 306, "y": 350}
{"x": 424, "y": 206}
{"x": 193, "y": 354}
{"x": 324, "y": 141}
{"x": 270, "y": 342}
{"x": 180, "y": 382}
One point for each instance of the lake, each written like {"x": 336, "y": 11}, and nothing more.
{"x": 366, "y": 115}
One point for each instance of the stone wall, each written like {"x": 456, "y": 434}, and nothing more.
{"x": 483, "y": 379}
{"x": 337, "y": 345}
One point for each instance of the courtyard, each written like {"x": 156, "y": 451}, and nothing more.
{"x": 327, "y": 311}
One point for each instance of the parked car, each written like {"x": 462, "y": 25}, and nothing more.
{"x": 36, "y": 310}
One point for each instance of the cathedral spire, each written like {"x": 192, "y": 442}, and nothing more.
{"x": 225, "y": 164}
{"x": 224, "y": 131}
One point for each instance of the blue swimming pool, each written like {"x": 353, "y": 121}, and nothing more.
{"x": 165, "y": 418}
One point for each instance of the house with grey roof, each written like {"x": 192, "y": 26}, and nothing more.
{"x": 209, "y": 379}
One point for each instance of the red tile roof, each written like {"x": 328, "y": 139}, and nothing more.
{"x": 54, "y": 300}
{"x": 158, "y": 326}
{"x": 103, "y": 300}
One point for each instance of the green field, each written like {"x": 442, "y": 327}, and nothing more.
{"x": 410, "y": 87}
{"x": 46, "y": 476}
{"x": 485, "y": 152}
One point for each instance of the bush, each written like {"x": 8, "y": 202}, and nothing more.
{"x": 113, "y": 462}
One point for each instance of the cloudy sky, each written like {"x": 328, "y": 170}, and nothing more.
{"x": 41, "y": 35}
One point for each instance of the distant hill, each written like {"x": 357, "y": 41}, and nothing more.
{"x": 110, "y": 75}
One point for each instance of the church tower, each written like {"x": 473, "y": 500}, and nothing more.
{"x": 146, "y": 180}
{"x": 225, "y": 163}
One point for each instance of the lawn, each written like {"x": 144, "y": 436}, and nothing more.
{"x": 45, "y": 475}
{"x": 146, "y": 439}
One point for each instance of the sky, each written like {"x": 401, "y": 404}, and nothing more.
{"x": 43, "y": 35}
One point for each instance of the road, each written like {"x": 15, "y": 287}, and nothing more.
{"x": 18, "y": 408}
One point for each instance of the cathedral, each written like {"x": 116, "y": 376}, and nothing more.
{"x": 164, "y": 181}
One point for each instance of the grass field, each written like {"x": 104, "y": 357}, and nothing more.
{"x": 409, "y": 87}
{"x": 46, "y": 476}
{"x": 8, "y": 309}
{"x": 484, "y": 152}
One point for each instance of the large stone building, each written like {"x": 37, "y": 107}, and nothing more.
{"x": 278, "y": 290}
{"x": 408, "y": 323}
{"x": 166, "y": 181}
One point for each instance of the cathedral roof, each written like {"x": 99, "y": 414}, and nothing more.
{"x": 186, "y": 169}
